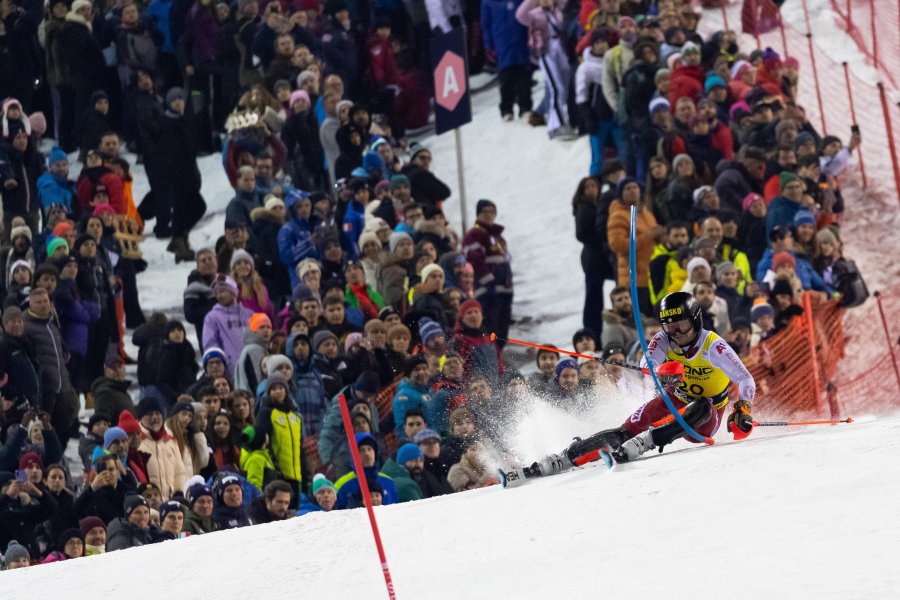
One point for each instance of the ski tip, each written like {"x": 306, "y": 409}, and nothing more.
{"x": 709, "y": 441}
{"x": 493, "y": 337}
{"x": 849, "y": 419}
{"x": 502, "y": 477}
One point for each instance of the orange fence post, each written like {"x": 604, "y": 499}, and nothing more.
{"x": 862, "y": 165}
{"x": 724, "y": 15}
{"x": 811, "y": 334}
{"x": 890, "y": 134}
{"x": 887, "y": 335}
{"x": 783, "y": 35}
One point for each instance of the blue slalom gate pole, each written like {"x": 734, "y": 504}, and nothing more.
{"x": 632, "y": 267}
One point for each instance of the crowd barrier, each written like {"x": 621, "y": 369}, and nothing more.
{"x": 875, "y": 27}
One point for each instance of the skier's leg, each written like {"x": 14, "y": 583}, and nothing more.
{"x": 697, "y": 414}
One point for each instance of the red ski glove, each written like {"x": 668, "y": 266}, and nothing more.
{"x": 740, "y": 423}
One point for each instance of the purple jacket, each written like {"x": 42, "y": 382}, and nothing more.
{"x": 223, "y": 327}
{"x": 75, "y": 316}
{"x": 202, "y": 29}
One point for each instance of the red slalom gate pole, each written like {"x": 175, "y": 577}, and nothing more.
{"x": 887, "y": 334}
{"x": 874, "y": 38}
{"x": 812, "y": 58}
{"x": 862, "y": 164}
{"x": 367, "y": 498}
{"x": 890, "y": 136}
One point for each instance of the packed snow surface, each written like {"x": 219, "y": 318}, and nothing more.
{"x": 809, "y": 514}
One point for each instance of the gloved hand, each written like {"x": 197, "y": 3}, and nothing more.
{"x": 740, "y": 423}
{"x": 670, "y": 373}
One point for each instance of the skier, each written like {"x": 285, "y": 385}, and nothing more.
{"x": 697, "y": 367}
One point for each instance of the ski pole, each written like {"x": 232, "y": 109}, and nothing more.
{"x": 797, "y": 423}
{"x": 494, "y": 337}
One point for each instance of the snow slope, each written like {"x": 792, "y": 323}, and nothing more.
{"x": 804, "y": 515}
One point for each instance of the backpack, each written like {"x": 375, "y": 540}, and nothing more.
{"x": 849, "y": 282}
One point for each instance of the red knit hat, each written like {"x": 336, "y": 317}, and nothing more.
{"x": 469, "y": 305}
{"x": 30, "y": 458}
{"x": 783, "y": 258}
{"x": 128, "y": 423}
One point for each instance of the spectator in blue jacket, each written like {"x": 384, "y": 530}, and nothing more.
{"x": 309, "y": 389}
{"x": 348, "y": 488}
{"x": 323, "y": 498}
{"x": 297, "y": 239}
{"x": 783, "y": 207}
{"x": 507, "y": 40}
{"x": 355, "y": 217}
{"x": 54, "y": 187}
{"x": 413, "y": 391}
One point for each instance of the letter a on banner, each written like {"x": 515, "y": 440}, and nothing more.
{"x": 450, "y": 72}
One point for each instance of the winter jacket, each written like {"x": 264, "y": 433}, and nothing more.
{"x": 50, "y": 352}
{"x": 467, "y": 475}
{"x": 446, "y": 395}
{"x": 394, "y": 281}
{"x": 305, "y": 154}
{"x": 227, "y": 517}
{"x": 20, "y": 522}
{"x": 75, "y": 315}
{"x": 809, "y": 278}
{"x": 257, "y": 466}
{"x": 111, "y": 397}
{"x": 733, "y": 183}
{"x": 752, "y": 237}
{"x": 25, "y": 168}
{"x": 197, "y": 525}
{"x": 308, "y": 505}
{"x": 107, "y": 502}
{"x": 618, "y": 229}
{"x": 55, "y": 191}
{"x": 284, "y": 426}
{"x": 240, "y": 207}
{"x": 76, "y": 37}
{"x": 248, "y": 370}
{"x": 478, "y": 352}
{"x": 781, "y": 212}
{"x": 339, "y": 51}
{"x": 687, "y": 81}
{"x": 165, "y": 466}
{"x": 123, "y": 534}
{"x": 332, "y": 442}
{"x": 149, "y": 340}
{"x": 488, "y": 252}
{"x": 429, "y": 305}
{"x": 354, "y": 222}
{"x": 616, "y": 62}
{"x": 348, "y": 489}
{"x": 590, "y": 229}
{"x": 425, "y": 187}
{"x": 638, "y": 87}
{"x": 263, "y": 245}
{"x": 223, "y": 327}
{"x": 18, "y": 365}
{"x": 504, "y": 34}
{"x": 309, "y": 393}
{"x": 408, "y": 396}
{"x": 297, "y": 242}
{"x": 589, "y": 92}
{"x": 177, "y": 369}
{"x": 431, "y": 483}
{"x": 407, "y": 488}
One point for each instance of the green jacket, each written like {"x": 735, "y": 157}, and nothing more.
{"x": 407, "y": 489}
{"x": 196, "y": 525}
{"x": 254, "y": 465}
{"x": 285, "y": 434}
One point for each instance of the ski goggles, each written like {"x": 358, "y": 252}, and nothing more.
{"x": 678, "y": 327}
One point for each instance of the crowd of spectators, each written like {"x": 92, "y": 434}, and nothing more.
{"x": 337, "y": 273}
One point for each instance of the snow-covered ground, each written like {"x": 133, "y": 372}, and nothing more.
{"x": 794, "y": 515}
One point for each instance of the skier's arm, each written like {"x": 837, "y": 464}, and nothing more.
{"x": 722, "y": 356}
{"x": 657, "y": 349}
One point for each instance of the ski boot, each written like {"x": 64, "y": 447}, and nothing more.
{"x": 635, "y": 447}
{"x": 553, "y": 464}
